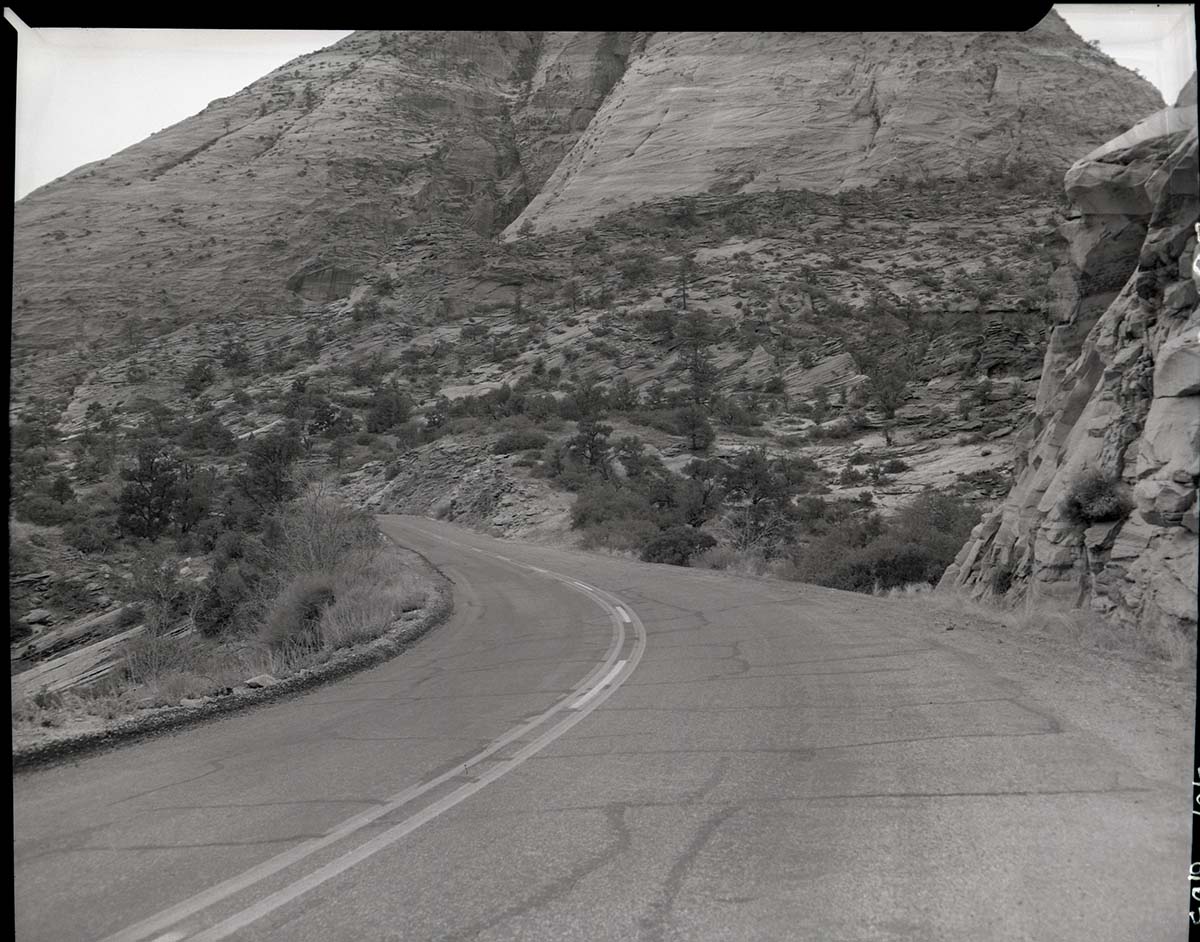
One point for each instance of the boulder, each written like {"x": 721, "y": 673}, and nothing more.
{"x": 1162, "y": 503}
{"x": 1170, "y": 437}
{"x": 1097, "y": 535}
{"x": 261, "y": 680}
{"x": 39, "y": 616}
{"x": 1177, "y": 367}
{"x": 1110, "y": 189}
{"x": 1180, "y": 296}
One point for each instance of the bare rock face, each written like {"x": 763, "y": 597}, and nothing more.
{"x": 1120, "y": 394}
{"x": 288, "y": 193}
{"x": 290, "y": 190}
{"x": 745, "y": 112}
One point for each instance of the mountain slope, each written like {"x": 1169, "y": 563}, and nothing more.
{"x": 745, "y": 112}
{"x": 290, "y": 190}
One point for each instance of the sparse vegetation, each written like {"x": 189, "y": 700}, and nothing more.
{"x": 871, "y": 553}
{"x": 1093, "y": 497}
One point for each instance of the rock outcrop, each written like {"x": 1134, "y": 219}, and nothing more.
{"x": 289, "y": 192}
{"x": 746, "y": 112}
{"x": 1120, "y": 395}
{"x": 291, "y": 189}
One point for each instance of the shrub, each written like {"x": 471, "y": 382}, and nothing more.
{"x": 151, "y": 654}
{"x": 715, "y": 557}
{"x": 317, "y": 534}
{"x": 1093, "y": 497}
{"x": 693, "y": 424}
{"x": 866, "y": 554}
{"x": 295, "y": 612}
{"x": 130, "y": 615}
{"x": 370, "y": 599}
{"x": 45, "y": 511}
{"x": 894, "y": 466}
{"x": 677, "y": 545}
{"x": 520, "y": 440}
{"x": 604, "y": 502}
{"x": 621, "y": 535}
{"x": 226, "y": 590}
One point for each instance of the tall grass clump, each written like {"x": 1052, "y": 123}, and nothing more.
{"x": 336, "y": 582}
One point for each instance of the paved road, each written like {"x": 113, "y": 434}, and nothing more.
{"x": 647, "y": 753}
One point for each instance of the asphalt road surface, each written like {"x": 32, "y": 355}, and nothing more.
{"x": 596, "y": 749}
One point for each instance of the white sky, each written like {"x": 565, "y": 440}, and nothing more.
{"x": 1157, "y": 39}
{"x": 84, "y": 94}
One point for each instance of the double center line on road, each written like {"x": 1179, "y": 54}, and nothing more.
{"x": 583, "y": 698}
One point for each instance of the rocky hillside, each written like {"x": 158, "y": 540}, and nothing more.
{"x": 747, "y": 112}
{"x": 1120, "y": 395}
{"x": 289, "y": 191}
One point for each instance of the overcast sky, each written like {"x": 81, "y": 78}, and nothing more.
{"x": 84, "y": 94}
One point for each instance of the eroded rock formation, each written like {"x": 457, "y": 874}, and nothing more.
{"x": 747, "y": 112}
{"x": 291, "y": 190}
{"x": 1120, "y": 395}
{"x": 293, "y": 187}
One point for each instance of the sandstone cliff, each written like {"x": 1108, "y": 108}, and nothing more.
{"x": 290, "y": 191}
{"x": 1120, "y": 394}
{"x": 745, "y": 112}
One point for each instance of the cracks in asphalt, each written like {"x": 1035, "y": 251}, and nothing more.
{"x": 747, "y": 676}
{"x": 30, "y": 851}
{"x": 437, "y": 739}
{"x": 1014, "y": 793}
{"x": 76, "y": 841}
{"x": 525, "y": 660}
{"x": 652, "y": 922}
{"x": 227, "y": 806}
{"x": 799, "y": 752}
{"x": 751, "y": 803}
{"x": 266, "y": 841}
{"x": 851, "y": 657}
{"x": 622, "y": 840}
{"x": 217, "y": 765}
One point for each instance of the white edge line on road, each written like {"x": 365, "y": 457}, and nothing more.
{"x": 616, "y": 669}
{"x": 339, "y": 865}
{"x": 206, "y": 898}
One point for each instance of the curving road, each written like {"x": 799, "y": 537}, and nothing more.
{"x": 596, "y": 749}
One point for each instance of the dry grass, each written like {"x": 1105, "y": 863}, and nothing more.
{"x": 743, "y": 562}
{"x": 369, "y": 600}
{"x": 1079, "y": 627}
{"x": 292, "y": 616}
{"x": 335, "y": 583}
{"x": 52, "y": 710}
